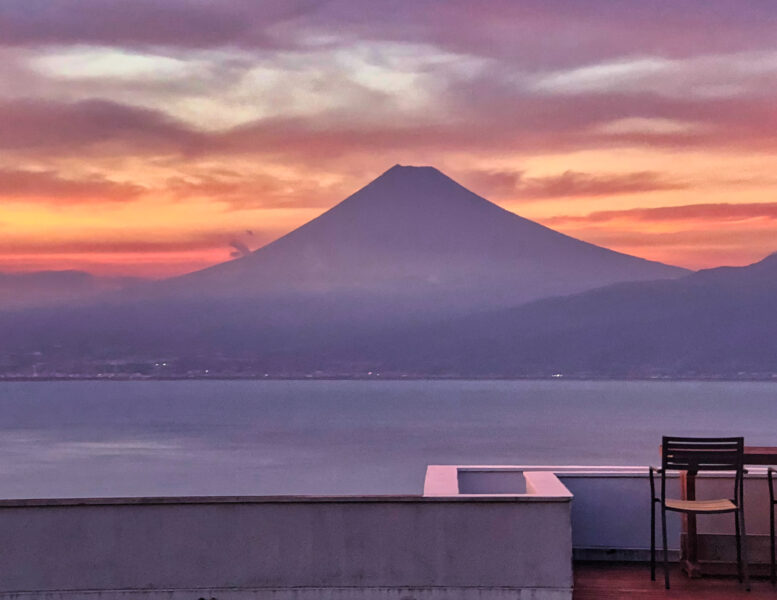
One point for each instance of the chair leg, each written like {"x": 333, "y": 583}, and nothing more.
{"x": 653, "y": 540}
{"x": 745, "y": 566}
{"x": 666, "y": 549}
{"x": 738, "y": 538}
{"x": 771, "y": 539}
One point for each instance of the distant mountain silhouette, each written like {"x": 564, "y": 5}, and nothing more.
{"x": 416, "y": 236}
{"x": 717, "y": 322}
{"x": 46, "y": 288}
{"x": 410, "y": 248}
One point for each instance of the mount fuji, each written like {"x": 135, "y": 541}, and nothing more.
{"x": 415, "y": 236}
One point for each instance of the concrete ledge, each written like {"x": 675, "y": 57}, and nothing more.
{"x": 310, "y": 593}
{"x": 178, "y": 500}
{"x": 491, "y": 482}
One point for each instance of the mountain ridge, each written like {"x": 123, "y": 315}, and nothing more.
{"x": 718, "y": 322}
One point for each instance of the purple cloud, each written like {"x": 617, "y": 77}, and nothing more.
{"x": 46, "y": 125}
{"x": 204, "y": 24}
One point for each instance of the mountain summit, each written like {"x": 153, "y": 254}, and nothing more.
{"x": 415, "y": 236}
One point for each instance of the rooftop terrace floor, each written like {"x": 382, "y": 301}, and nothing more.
{"x": 610, "y": 581}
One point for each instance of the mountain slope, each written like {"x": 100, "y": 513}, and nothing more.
{"x": 717, "y": 322}
{"x": 414, "y": 234}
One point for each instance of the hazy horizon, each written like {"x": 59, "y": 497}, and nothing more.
{"x": 245, "y": 242}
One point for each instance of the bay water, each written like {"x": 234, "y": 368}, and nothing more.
{"x": 148, "y": 438}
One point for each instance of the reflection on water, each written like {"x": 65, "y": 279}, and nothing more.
{"x": 318, "y": 437}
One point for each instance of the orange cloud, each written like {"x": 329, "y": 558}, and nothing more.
{"x": 693, "y": 236}
{"x": 48, "y": 186}
{"x": 241, "y": 190}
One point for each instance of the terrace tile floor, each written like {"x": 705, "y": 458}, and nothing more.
{"x": 611, "y": 581}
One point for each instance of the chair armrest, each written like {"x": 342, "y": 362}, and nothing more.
{"x": 770, "y": 476}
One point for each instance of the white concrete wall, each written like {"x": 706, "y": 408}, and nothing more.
{"x": 611, "y": 505}
{"x": 612, "y": 511}
{"x": 283, "y": 548}
{"x": 444, "y": 545}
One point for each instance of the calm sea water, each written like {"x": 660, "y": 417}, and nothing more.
{"x": 95, "y": 438}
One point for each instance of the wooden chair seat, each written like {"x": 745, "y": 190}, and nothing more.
{"x": 701, "y": 506}
{"x": 695, "y": 455}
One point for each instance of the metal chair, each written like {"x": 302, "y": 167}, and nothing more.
{"x": 694, "y": 455}
{"x": 772, "y": 504}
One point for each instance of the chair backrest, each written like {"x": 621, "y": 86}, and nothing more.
{"x": 702, "y": 454}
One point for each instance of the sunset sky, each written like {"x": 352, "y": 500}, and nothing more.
{"x": 153, "y": 137}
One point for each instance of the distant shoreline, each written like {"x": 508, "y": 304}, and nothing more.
{"x": 119, "y": 378}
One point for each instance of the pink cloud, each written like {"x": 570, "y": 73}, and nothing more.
{"x": 572, "y": 184}
{"x": 692, "y": 212}
{"x": 500, "y": 119}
